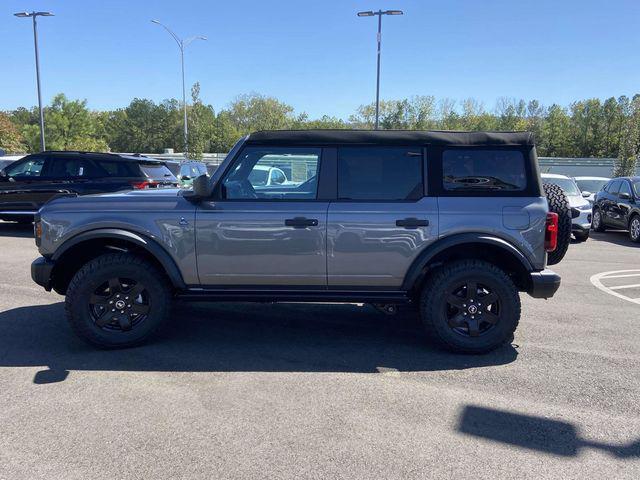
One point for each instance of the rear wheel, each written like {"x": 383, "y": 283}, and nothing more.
{"x": 634, "y": 229}
{"x": 117, "y": 300}
{"x": 470, "y": 306}
{"x": 559, "y": 204}
{"x": 596, "y": 223}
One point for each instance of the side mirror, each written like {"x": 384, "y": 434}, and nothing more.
{"x": 201, "y": 187}
{"x": 586, "y": 194}
{"x": 625, "y": 196}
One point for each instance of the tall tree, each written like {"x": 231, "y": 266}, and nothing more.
{"x": 10, "y": 138}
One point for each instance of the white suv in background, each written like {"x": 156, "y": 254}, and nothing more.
{"x": 580, "y": 206}
{"x": 589, "y": 186}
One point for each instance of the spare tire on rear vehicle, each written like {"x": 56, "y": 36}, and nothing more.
{"x": 558, "y": 203}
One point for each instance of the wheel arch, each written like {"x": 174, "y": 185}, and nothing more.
{"x": 479, "y": 246}
{"x": 76, "y": 251}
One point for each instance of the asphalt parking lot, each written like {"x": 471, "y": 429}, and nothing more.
{"x": 336, "y": 391}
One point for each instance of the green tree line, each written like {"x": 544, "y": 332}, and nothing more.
{"x": 585, "y": 128}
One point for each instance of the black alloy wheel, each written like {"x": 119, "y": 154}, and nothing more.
{"x": 119, "y": 304}
{"x": 472, "y": 309}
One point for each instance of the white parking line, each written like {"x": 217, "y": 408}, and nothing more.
{"x": 624, "y": 276}
{"x": 598, "y": 278}
{"x": 619, "y": 287}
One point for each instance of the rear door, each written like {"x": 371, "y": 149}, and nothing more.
{"x": 381, "y": 219}
{"x": 255, "y": 234}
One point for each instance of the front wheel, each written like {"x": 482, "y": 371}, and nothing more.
{"x": 117, "y": 300}
{"x": 470, "y": 306}
{"x": 634, "y": 229}
{"x": 596, "y": 223}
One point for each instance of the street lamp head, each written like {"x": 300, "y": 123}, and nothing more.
{"x": 393, "y": 12}
{"x": 366, "y": 14}
{"x": 156, "y": 22}
{"x": 33, "y": 14}
{"x": 201, "y": 37}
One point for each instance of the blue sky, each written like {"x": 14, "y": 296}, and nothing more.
{"x": 318, "y": 56}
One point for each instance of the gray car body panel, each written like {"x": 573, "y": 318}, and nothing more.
{"x": 246, "y": 243}
{"x": 163, "y": 216}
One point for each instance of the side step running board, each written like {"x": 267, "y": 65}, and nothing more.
{"x": 277, "y": 295}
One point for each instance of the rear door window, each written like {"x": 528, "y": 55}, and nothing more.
{"x": 479, "y": 170}
{"x": 380, "y": 173}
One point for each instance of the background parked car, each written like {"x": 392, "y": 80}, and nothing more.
{"x": 30, "y": 182}
{"x": 580, "y": 207}
{"x": 589, "y": 186}
{"x": 189, "y": 170}
{"x": 616, "y": 206}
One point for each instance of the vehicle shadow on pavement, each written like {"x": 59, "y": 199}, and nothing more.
{"x": 18, "y": 230}
{"x": 239, "y": 337}
{"x": 618, "y": 237}
{"x": 536, "y": 433}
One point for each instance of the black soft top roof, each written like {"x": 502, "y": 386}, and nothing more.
{"x": 389, "y": 137}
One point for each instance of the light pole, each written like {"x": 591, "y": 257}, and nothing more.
{"x": 379, "y": 13}
{"x": 182, "y": 44}
{"x": 33, "y": 16}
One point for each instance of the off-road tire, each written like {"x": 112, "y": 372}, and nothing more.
{"x": 97, "y": 271}
{"x": 597, "y": 225}
{"x": 434, "y": 306}
{"x": 559, "y": 204}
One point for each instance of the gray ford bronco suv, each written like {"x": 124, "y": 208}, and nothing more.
{"x": 453, "y": 223}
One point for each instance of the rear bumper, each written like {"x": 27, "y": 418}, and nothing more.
{"x": 41, "y": 269}
{"x": 544, "y": 284}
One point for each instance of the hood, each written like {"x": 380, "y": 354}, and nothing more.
{"x": 577, "y": 201}
{"x": 148, "y": 199}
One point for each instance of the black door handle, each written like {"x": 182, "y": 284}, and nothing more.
{"x": 301, "y": 222}
{"x": 412, "y": 223}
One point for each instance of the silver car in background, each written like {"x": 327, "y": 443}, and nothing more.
{"x": 589, "y": 186}
{"x": 580, "y": 206}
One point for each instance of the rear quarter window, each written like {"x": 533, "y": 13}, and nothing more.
{"x": 156, "y": 171}
{"x": 479, "y": 170}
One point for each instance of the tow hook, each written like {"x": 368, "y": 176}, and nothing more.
{"x": 386, "y": 308}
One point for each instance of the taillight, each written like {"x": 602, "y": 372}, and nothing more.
{"x": 551, "y": 232}
{"x": 143, "y": 185}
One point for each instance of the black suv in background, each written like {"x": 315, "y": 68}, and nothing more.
{"x": 617, "y": 205}
{"x": 30, "y": 182}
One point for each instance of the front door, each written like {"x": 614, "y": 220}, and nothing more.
{"x": 257, "y": 232}
{"x": 25, "y": 187}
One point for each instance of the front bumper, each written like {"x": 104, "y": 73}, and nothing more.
{"x": 41, "y": 269}
{"x": 544, "y": 284}
{"x": 581, "y": 221}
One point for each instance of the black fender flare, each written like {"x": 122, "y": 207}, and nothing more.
{"x": 417, "y": 269}
{"x": 143, "y": 241}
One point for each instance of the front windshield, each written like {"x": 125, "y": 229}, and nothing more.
{"x": 591, "y": 185}
{"x": 566, "y": 184}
